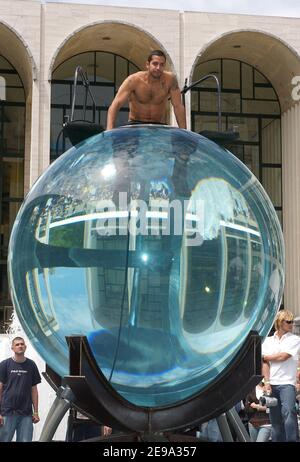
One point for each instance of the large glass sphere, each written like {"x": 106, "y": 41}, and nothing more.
{"x": 158, "y": 245}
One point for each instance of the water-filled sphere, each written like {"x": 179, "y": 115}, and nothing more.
{"x": 158, "y": 245}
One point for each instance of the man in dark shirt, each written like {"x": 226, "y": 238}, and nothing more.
{"x": 19, "y": 377}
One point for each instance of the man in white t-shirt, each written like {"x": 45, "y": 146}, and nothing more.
{"x": 280, "y": 354}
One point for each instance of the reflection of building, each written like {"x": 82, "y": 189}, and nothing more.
{"x": 41, "y": 47}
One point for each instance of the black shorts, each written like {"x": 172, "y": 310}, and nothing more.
{"x": 141, "y": 122}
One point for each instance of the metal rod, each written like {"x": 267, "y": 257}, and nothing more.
{"x": 86, "y": 84}
{"x": 193, "y": 84}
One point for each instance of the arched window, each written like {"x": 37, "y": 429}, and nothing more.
{"x": 12, "y": 136}
{"x": 105, "y": 72}
{"x": 251, "y": 107}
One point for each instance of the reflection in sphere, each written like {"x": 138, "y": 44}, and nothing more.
{"x": 159, "y": 246}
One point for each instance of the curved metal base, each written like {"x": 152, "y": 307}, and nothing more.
{"x": 87, "y": 390}
{"x": 98, "y": 399}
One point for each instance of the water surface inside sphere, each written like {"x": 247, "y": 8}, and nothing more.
{"x": 158, "y": 245}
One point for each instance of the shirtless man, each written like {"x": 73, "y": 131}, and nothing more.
{"x": 148, "y": 92}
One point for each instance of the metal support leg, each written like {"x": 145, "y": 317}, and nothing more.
{"x": 56, "y": 413}
{"x": 224, "y": 428}
{"x": 238, "y": 426}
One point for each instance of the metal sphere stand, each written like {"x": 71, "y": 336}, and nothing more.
{"x": 87, "y": 390}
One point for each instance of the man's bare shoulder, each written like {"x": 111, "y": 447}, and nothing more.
{"x": 171, "y": 79}
{"x": 133, "y": 80}
{"x": 137, "y": 76}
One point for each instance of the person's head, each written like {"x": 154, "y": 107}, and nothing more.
{"x": 156, "y": 63}
{"x": 284, "y": 320}
{"x": 18, "y": 346}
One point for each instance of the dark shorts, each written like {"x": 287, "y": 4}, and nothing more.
{"x": 141, "y": 122}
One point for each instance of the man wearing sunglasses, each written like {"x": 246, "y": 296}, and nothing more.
{"x": 19, "y": 377}
{"x": 280, "y": 355}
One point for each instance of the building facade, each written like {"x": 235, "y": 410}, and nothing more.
{"x": 256, "y": 59}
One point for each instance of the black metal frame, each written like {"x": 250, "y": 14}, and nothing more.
{"x": 80, "y": 130}
{"x": 96, "y": 397}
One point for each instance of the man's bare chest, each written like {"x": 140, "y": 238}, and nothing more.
{"x": 156, "y": 93}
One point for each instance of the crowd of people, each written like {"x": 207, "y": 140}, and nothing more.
{"x": 269, "y": 412}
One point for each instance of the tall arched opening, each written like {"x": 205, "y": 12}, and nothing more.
{"x": 258, "y": 102}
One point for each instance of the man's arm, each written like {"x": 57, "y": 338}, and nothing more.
{"x": 35, "y": 404}
{"x": 277, "y": 357}
{"x": 179, "y": 108}
{"x": 119, "y": 100}
{"x": 106, "y": 430}
{"x": 265, "y": 370}
{"x": 298, "y": 377}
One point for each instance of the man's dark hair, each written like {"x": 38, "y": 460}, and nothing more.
{"x": 156, "y": 53}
